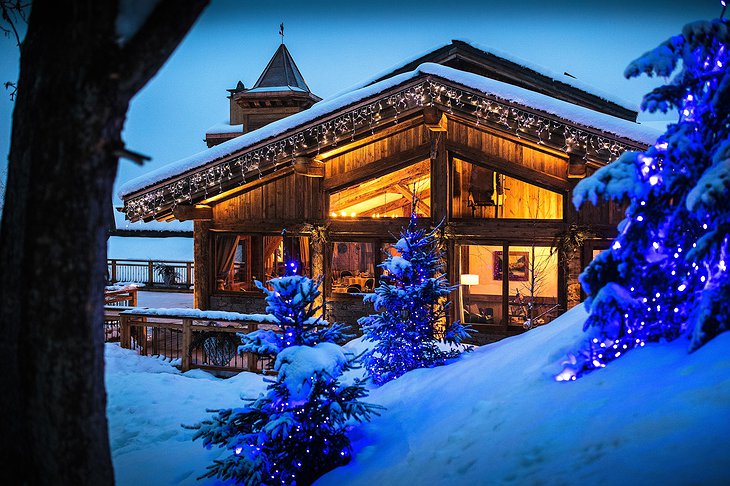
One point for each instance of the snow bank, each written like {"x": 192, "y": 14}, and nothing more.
{"x": 496, "y": 416}
{"x": 147, "y": 400}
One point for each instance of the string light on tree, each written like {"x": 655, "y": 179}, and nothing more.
{"x": 296, "y": 431}
{"x": 665, "y": 275}
{"x": 412, "y": 303}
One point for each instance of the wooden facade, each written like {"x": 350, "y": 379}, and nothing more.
{"x": 503, "y": 196}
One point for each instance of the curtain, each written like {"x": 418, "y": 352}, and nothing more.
{"x": 225, "y": 251}
{"x": 271, "y": 243}
{"x": 304, "y": 254}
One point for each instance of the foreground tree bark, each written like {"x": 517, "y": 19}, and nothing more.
{"x": 74, "y": 89}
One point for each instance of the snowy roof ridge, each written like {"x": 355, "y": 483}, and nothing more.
{"x": 532, "y": 100}
{"x": 537, "y": 68}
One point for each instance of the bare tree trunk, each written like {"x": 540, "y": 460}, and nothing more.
{"x": 73, "y": 93}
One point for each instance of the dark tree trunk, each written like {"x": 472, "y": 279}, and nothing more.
{"x": 74, "y": 89}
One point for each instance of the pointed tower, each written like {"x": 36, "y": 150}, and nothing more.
{"x": 279, "y": 92}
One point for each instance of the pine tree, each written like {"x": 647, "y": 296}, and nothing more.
{"x": 665, "y": 275}
{"x": 412, "y": 304}
{"x": 296, "y": 431}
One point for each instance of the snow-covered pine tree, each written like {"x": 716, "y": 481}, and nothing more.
{"x": 296, "y": 431}
{"x": 666, "y": 274}
{"x": 412, "y": 302}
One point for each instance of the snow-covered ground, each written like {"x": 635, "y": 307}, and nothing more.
{"x": 496, "y": 416}
{"x": 165, "y": 299}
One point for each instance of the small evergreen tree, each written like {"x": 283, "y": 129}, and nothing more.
{"x": 296, "y": 431}
{"x": 412, "y": 304}
{"x": 666, "y": 273}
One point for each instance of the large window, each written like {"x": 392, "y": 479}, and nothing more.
{"x": 285, "y": 254}
{"x": 531, "y": 273}
{"x": 352, "y": 267}
{"x": 479, "y": 192}
{"x": 388, "y": 196}
{"x": 239, "y": 259}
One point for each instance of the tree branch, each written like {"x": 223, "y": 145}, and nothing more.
{"x": 155, "y": 41}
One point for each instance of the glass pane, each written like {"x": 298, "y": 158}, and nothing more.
{"x": 481, "y": 285}
{"x": 353, "y": 267}
{"x": 286, "y": 255}
{"x": 533, "y": 286}
{"x": 241, "y": 275}
{"x": 482, "y": 193}
{"x": 388, "y": 196}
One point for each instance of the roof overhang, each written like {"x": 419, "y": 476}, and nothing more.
{"x": 361, "y": 119}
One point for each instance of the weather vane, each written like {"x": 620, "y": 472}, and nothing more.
{"x": 281, "y": 31}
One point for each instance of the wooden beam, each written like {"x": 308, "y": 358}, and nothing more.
{"x": 577, "y": 168}
{"x": 401, "y": 126}
{"x": 407, "y": 194}
{"x": 373, "y": 169}
{"x": 309, "y": 167}
{"x": 440, "y": 177}
{"x": 434, "y": 119}
{"x": 187, "y": 212}
{"x": 508, "y": 167}
{"x": 396, "y": 204}
{"x": 371, "y": 189}
{"x": 253, "y": 183}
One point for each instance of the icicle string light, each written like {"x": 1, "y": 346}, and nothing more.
{"x": 365, "y": 119}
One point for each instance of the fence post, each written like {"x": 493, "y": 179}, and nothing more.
{"x": 114, "y": 271}
{"x": 251, "y": 365}
{"x": 186, "y": 340}
{"x": 124, "y": 331}
{"x": 133, "y": 297}
{"x": 150, "y": 273}
{"x": 142, "y": 338}
{"x": 188, "y": 271}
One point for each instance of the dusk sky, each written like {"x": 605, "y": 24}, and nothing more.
{"x": 337, "y": 44}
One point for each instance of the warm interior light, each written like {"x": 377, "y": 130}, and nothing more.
{"x": 469, "y": 279}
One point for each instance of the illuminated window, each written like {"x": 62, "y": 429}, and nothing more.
{"x": 532, "y": 273}
{"x": 479, "y": 192}
{"x": 238, "y": 260}
{"x": 284, "y": 255}
{"x": 352, "y": 267}
{"x": 388, "y": 196}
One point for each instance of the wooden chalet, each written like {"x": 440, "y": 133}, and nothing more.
{"x": 491, "y": 147}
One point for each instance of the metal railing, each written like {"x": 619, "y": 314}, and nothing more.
{"x": 153, "y": 273}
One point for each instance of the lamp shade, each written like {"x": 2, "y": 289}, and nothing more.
{"x": 469, "y": 279}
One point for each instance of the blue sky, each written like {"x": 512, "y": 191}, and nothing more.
{"x": 337, "y": 44}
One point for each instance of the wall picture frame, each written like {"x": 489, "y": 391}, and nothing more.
{"x": 519, "y": 266}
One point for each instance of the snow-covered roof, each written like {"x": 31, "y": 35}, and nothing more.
{"x": 503, "y": 91}
{"x": 224, "y": 127}
{"x": 562, "y": 78}
{"x": 124, "y": 224}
